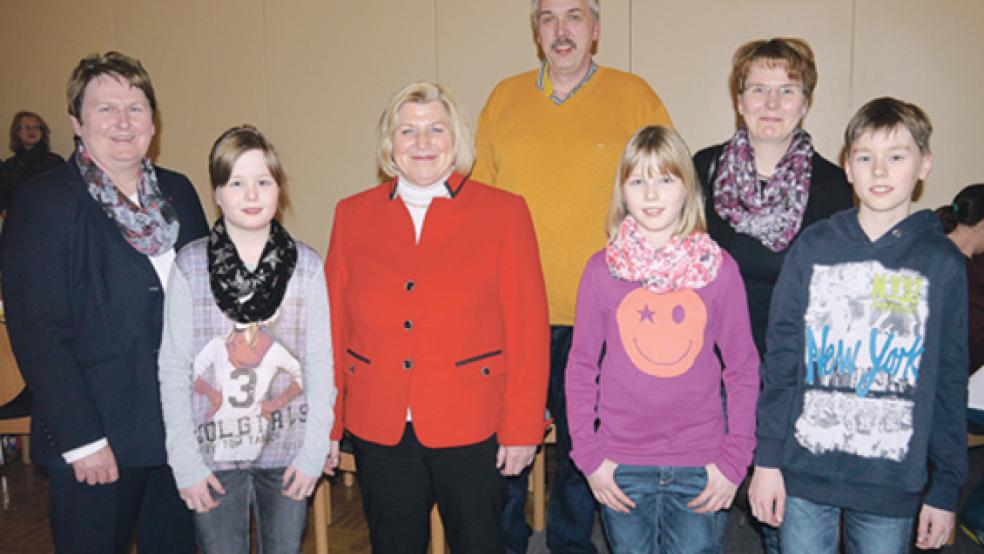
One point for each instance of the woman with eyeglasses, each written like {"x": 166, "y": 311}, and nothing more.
{"x": 29, "y": 136}
{"x": 767, "y": 183}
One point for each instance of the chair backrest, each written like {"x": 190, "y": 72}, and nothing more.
{"x": 11, "y": 381}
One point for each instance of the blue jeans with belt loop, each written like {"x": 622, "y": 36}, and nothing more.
{"x": 661, "y": 522}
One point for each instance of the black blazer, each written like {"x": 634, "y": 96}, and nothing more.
{"x": 84, "y": 313}
{"x": 759, "y": 266}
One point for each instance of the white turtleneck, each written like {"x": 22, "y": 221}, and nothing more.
{"x": 418, "y": 199}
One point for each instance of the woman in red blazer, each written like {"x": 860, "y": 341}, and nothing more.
{"x": 440, "y": 333}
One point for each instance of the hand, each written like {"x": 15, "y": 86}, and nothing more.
{"x": 214, "y": 397}
{"x": 512, "y": 459}
{"x": 717, "y": 495}
{"x": 767, "y": 495}
{"x": 198, "y": 498}
{"x": 267, "y": 407}
{"x": 606, "y": 491}
{"x": 98, "y": 468}
{"x": 935, "y": 526}
{"x": 331, "y": 462}
{"x": 215, "y": 402}
{"x": 297, "y": 485}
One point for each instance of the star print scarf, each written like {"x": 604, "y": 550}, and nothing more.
{"x": 689, "y": 262}
{"x": 152, "y": 227}
{"x": 774, "y": 213}
{"x": 250, "y": 296}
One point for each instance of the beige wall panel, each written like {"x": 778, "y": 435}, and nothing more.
{"x": 208, "y": 63}
{"x": 314, "y": 74}
{"x": 43, "y": 40}
{"x": 333, "y": 66}
{"x": 684, "y": 50}
{"x": 615, "y": 46}
{"x": 479, "y": 43}
{"x": 929, "y": 53}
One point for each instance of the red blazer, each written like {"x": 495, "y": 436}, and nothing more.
{"x": 455, "y": 327}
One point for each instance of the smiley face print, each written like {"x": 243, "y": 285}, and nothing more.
{"x": 662, "y": 333}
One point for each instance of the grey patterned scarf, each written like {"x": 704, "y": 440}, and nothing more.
{"x": 152, "y": 227}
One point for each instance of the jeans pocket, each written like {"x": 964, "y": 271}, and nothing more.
{"x": 691, "y": 480}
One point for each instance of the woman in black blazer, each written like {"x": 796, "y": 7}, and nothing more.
{"x": 87, "y": 249}
{"x": 767, "y": 183}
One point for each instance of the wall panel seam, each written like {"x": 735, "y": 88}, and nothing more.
{"x": 264, "y": 30}
{"x": 437, "y": 49}
{"x": 631, "y": 44}
{"x": 853, "y": 55}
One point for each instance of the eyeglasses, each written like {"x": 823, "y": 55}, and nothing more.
{"x": 760, "y": 93}
{"x": 28, "y": 127}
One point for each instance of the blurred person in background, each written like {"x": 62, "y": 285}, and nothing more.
{"x": 29, "y": 141}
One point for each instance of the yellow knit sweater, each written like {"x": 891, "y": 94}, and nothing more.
{"x": 562, "y": 159}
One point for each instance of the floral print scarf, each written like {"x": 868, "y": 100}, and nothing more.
{"x": 689, "y": 262}
{"x": 773, "y": 214}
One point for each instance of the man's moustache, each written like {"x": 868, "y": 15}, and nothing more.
{"x": 563, "y": 42}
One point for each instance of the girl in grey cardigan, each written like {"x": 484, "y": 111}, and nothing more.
{"x": 245, "y": 362}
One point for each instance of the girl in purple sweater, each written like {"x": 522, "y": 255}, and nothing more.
{"x": 651, "y": 434}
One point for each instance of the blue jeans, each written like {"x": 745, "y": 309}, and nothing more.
{"x": 661, "y": 522}
{"x": 570, "y": 515}
{"x": 515, "y": 531}
{"x": 972, "y": 516}
{"x": 280, "y": 520}
{"x": 813, "y": 528}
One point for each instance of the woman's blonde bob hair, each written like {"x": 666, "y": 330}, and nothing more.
{"x": 658, "y": 150}
{"x": 423, "y": 92}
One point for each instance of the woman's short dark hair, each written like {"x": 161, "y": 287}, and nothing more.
{"x": 114, "y": 64}
{"x": 792, "y": 54}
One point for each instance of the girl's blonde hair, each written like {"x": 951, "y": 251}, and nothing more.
{"x": 658, "y": 150}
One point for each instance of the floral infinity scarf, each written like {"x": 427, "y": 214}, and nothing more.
{"x": 689, "y": 262}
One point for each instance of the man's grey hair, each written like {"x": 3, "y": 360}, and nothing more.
{"x": 593, "y": 5}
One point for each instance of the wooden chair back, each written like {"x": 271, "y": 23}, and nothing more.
{"x": 11, "y": 381}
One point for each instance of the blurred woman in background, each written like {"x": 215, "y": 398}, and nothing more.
{"x": 29, "y": 141}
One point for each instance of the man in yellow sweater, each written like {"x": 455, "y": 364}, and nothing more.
{"x": 555, "y": 135}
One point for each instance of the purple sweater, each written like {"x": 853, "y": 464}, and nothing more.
{"x": 659, "y": 396}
